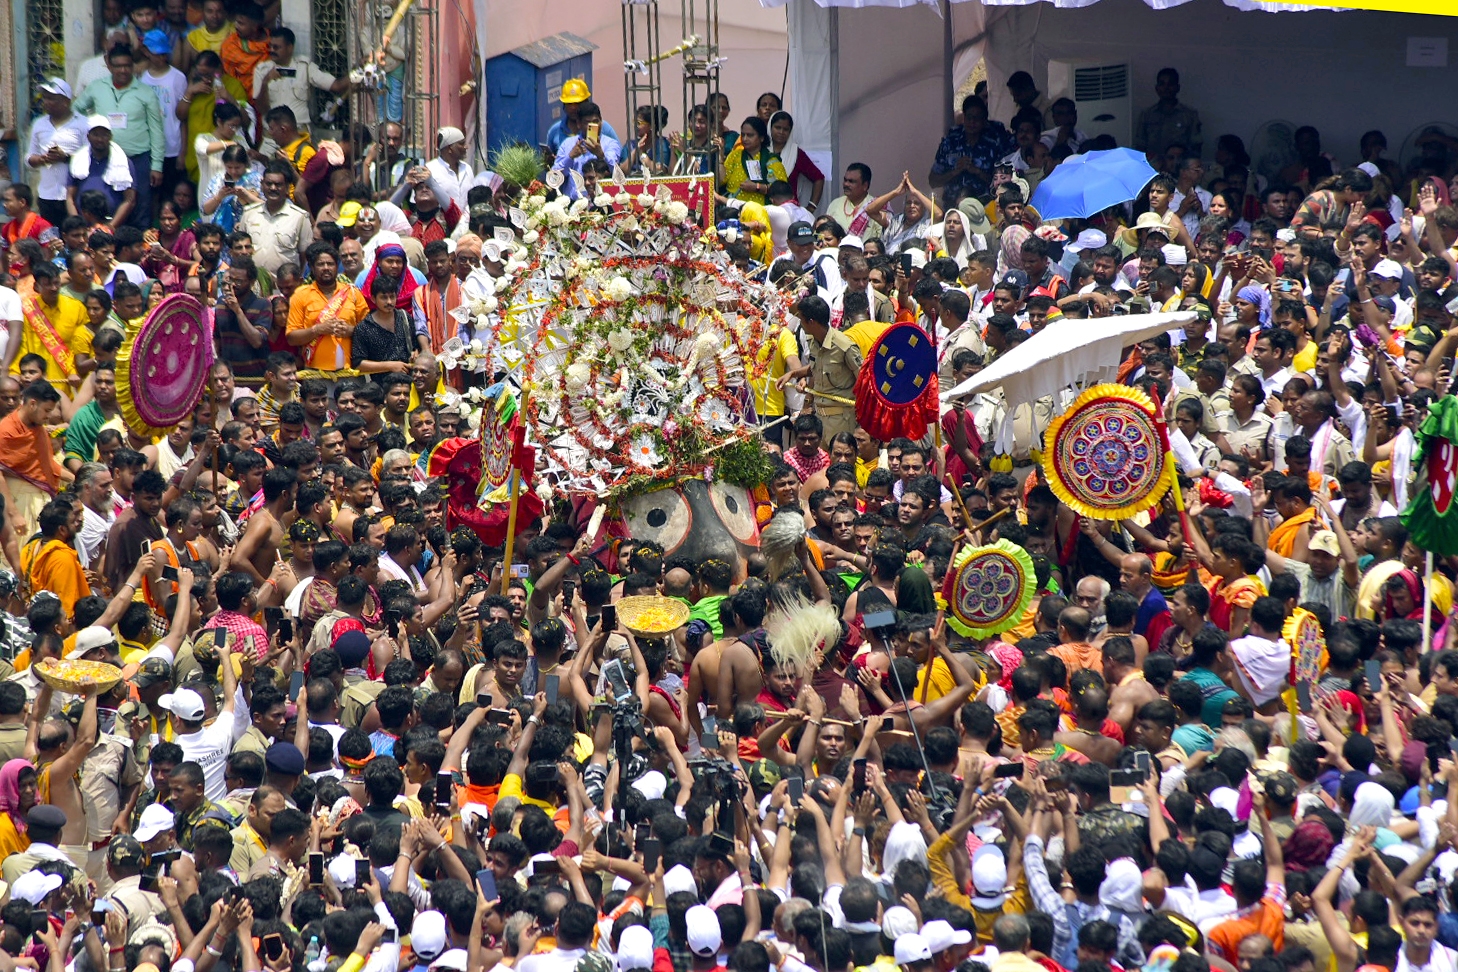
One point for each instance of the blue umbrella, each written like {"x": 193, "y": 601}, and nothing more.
{"x": 1084, "y": 185}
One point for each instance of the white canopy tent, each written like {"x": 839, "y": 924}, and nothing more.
{"x": 873, "y": 80}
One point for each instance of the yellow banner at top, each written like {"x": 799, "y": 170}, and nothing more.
{"x": 1444, "y": 8}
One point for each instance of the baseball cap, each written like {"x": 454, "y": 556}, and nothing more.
{"x": 125, "y": 851}
{"x": 449, "y": 135}
{"x": 157, "y": 42}
{"x": 156, "y": 819}
{"x": 1089, "y": 239}
{"x": 912, "y": 948}
{"x": 184, "y": 703}
{"x": 1281, "y": 786}
{"x": 635, "y": 949}
{"x": 152, "y": 671}
{"x": 854, "y": 242}
{"x": 1388, "y": 269}
{"x": 918, "y": 258}
{"x": 897, "y": 921}
{"x": 428, "y": 934}
{"x": 98, "y": 121}
{"x": 800, "y": 232}
{"x": 56, "y": 86}
{"x": 341, "y": 869}
{"x": 455, "y": 958}
{"x": 90, "y": 639}
{"x": 989, "y": 877}
{"x": 1385, "y": 302}
{"x": 679, "y": 878}
{"x": 704, "y": 937}
{"x": 1016, "y": 278}
{"x": 33, "y": 886}
{"x": 1326, "y": 542}
{"x": 285, "y": 758}
{"x": 940, "y": 935}
{"x": 349, "y": 213}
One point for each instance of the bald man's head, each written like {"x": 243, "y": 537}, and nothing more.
{"x": 678, "y": 583}
{"x": 1073, "y": 624}
{"x": 1135, "y": 571}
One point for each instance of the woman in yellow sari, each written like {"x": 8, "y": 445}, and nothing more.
{"x": 750, "y": 166}
{"x": 17, "y": 796}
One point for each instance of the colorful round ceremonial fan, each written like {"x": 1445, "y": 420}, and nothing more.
{"x": 896, "y": 390}
{"x": 162, "y": 366}
{"x": 988, "y": 589}
{"x": 1104, "y": 458}
{"x": 1308, "y": 648}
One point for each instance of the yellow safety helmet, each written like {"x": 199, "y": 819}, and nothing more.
{"x": 574, "y": 91}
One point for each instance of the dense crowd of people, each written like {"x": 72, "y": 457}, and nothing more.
{"x": 351, "y": 736}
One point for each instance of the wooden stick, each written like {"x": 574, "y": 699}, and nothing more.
{"x": 834, "y": 398}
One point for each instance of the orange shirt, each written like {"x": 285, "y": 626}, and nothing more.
{"x": 27, "y": 452}
{"x": 54, "y": 566}
{"x": 328, "y": 353}
{"x": 240, "y": 57}
{"x": 1267, "y": 918}
{"x": 1079, "y": 655}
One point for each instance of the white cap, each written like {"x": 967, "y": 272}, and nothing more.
{"x": 341, "y": 870}
{"x": 33, "y": 886}
{"x": 679, "y": 878}
{"x": 854, "y": 242}
{"x": 635, "y": 949}
{"x": 184, "y": 703}
{"x": 89, "y": 639}
{"x": 98, "y": 121}
{"x": 156, "y": 819}
{"x": 1089, "y": 239}
{"x": 1387, "y": 268}
{"x": 912, "y": 948}
{"x": 428, "y": 937}
{"x": 448, "y": 135}
{"x": 897, "y": 921}
{"x": 456, "y": 959}
{"x": 704, "y": 936}
{"x": 940, "y": 935}
{"x": 918, "y": 258}
{"x": 1287, "y": 235}
{"x": 652, "y": 785}
{"x": 55, "y": 86}
{"x": 1225, "y": 799}
{"x": 1174, "y": 255}
{"x": 1369, "y": 168}
{"x": 989, "y": 877}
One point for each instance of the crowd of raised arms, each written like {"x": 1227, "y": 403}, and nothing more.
{"x": 348, "y": 738}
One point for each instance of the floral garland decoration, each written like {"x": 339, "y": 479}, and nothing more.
{"x": 633, "y": 339}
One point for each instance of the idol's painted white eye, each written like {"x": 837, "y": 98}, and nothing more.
{"x": 663, "y": 516}
{"x": 736, "y": 509}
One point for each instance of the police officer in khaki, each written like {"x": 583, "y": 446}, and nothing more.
{"x": 835, "y": 361}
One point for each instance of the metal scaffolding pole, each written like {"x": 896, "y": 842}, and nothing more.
{"x": 642, "y": 62}
{"x": 701, "y": 63}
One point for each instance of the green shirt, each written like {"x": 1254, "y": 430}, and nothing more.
{"x": 707, "y": 611}
{"x": 82, "y": 432}
{"x": 135, "y": 113}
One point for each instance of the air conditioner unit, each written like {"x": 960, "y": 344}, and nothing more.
{"x": 1101, "y": 92}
